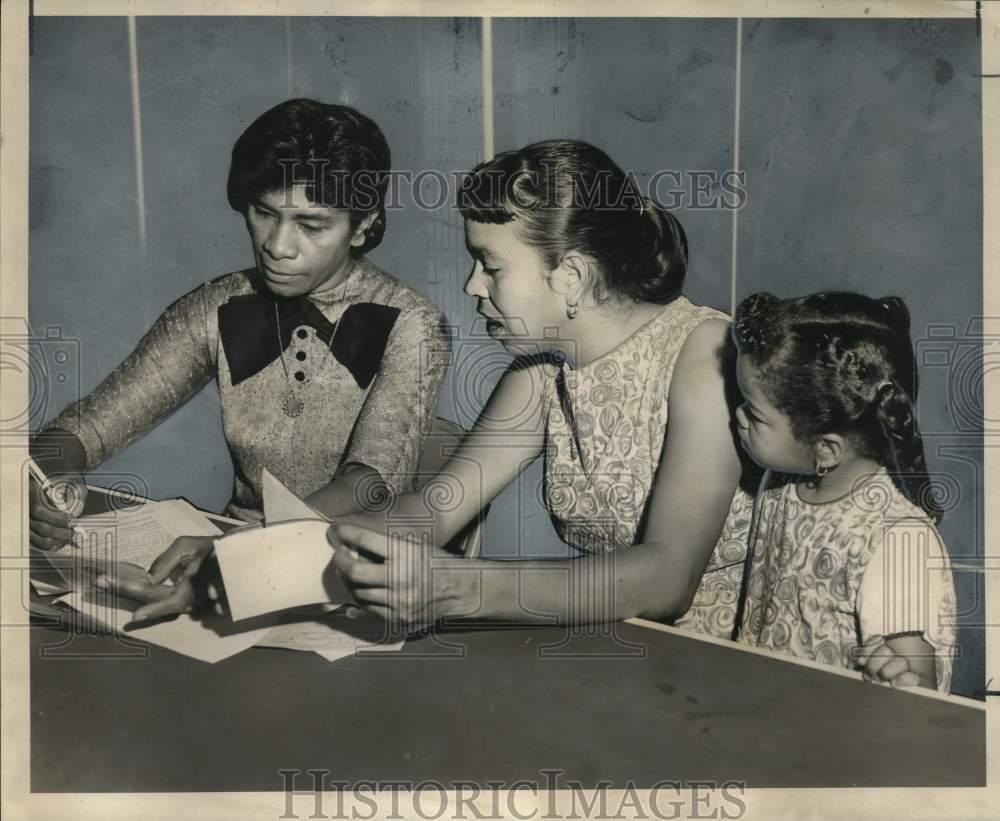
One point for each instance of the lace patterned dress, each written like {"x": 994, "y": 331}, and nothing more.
{"x": 606, "y": 424}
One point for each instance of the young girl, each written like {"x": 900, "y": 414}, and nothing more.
{"x": 845, "y": 551}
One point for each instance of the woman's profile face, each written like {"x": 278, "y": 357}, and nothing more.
{"x": 509, "y": 282}
{"x": 299, "y": 246}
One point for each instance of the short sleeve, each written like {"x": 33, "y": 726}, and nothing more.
{"x": 907, "y": 588}
{"x": 172, "y": 362}
{"x": 389, "y": 433}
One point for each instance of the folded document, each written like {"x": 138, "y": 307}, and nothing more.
{"x": 278, "y": 567}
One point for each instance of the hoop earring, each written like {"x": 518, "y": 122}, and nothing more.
{"x": 571, "y": 309}
{"x": 821, "y": 470}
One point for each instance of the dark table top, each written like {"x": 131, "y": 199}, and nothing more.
{"x": 625, "y": 705}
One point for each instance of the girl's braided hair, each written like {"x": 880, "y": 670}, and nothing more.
{"x": 842, "y": 363}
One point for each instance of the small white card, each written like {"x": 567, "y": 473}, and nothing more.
{"x": 277, "y": 567}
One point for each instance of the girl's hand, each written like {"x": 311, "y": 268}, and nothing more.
{"x": 49, "y": 523}
{"x": 396, "y": 578}
{"x": 181, "y": 563}
{"x": 900, "y": 662}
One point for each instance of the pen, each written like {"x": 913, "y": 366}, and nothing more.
{"x": 48, "y": 488}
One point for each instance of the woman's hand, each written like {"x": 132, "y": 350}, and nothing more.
{"x": 900, "y": 662}
{"x": 49, "y": 518}
{"x": 180, "y": 563}
{"x": 400, "y": 579}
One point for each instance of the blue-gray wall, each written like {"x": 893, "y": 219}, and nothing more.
{"x": 861, "y": 143}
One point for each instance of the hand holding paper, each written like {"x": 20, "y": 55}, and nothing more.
{"x": 169, "y": 587}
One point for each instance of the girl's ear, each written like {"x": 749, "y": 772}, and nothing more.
{"x": 828, "y": 450}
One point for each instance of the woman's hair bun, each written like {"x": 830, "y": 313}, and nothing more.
{"x": 661, "y": 278}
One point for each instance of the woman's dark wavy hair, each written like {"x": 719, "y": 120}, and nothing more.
{"x": 567, "y": 195}
{"x": 339, "y": 154}
{"x": 842, "y": 363}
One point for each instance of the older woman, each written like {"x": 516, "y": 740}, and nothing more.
{"x": 623, "y": 387}
{"x": 328, "y": 368}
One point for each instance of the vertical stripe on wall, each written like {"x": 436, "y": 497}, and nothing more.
{"x": 288, "y": 54}
{"x": 736, "y": 157}
{"x": 140, "y": 185}
{"x": 487, "y": 87}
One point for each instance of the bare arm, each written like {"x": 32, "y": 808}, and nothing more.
{"x": 698, "y": 474}
{"x": 506, "y": 438}
{"x": 358, "y": 488}
{"x": 699, "y": 469}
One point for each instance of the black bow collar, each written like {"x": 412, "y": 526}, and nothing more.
{"x": 250, "y": 335}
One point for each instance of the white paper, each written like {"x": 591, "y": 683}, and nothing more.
{"x": 332, "y": 637}
{"x": 46, "y": 589}
{"x": 210, "y": 639}
{"x": 137, "y": 534}
{"x": 278, "y": 567}
{"x": 280, "y": 504}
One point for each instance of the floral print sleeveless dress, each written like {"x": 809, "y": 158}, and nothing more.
{"x": 606, "y": 424}
{"x": 826, "y": 576}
